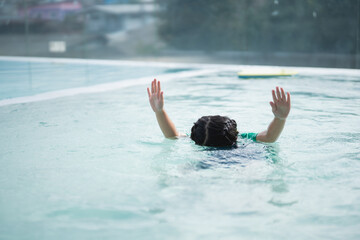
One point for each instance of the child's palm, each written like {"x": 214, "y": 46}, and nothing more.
{"x": 281, "y": 103}
{"x": 156, "y": 97}
{"x": 157, "y": 103}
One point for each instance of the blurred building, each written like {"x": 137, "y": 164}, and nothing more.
{"x": 41, "y": 15}
{"x": 53, "y": 11}
{"x": 119, "y": 17}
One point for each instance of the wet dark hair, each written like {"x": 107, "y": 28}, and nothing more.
{"x": 214, "y": 131}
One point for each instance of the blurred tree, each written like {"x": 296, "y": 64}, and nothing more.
{"x": 261, "y": 25}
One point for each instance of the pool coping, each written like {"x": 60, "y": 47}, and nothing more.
{"x": 234, "y": 67}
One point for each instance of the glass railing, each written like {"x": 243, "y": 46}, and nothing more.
{"x": 319, "y": 33}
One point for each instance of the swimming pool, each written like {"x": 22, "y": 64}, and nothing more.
{"x": 93, "y": 164}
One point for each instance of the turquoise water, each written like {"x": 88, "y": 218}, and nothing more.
{"x": 96, "y": 166}
{"x": 19, "y": 78}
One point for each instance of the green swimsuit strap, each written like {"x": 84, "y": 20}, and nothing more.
{"x": 251, "y": 136}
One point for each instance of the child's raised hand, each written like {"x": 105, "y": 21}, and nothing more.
{"x": 156, "y": 96}
{"x": 281, "y": 103}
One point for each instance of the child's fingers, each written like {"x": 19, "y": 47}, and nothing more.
{"x": 155, "y": 87}
{"x": 283, "y": 97}
{"x": 159, "y": 88}
{"x": 162, "y": 96}
{"x": 273, "y": 106}
{"x": 148, "y": 90}
{"x": 273, "y": 95}
{"x": 152, "y": 86}
{"x": 278, "y": 93}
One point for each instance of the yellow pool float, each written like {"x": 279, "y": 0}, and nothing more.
{"x": 265, "y": 73}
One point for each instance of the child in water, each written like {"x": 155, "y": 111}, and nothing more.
{"x": 220, "y": 131}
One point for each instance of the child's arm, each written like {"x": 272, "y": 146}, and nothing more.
{"x": 281, "y": 108}
{"x": 156, "y": 99}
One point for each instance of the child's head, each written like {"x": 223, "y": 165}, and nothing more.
{"x": 214, "y": 131}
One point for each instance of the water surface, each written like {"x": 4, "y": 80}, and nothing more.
{"x": 96, "y": 166}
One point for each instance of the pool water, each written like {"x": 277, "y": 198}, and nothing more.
{"x": 23, "y": 78}
{"x": 96, "y": 166}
